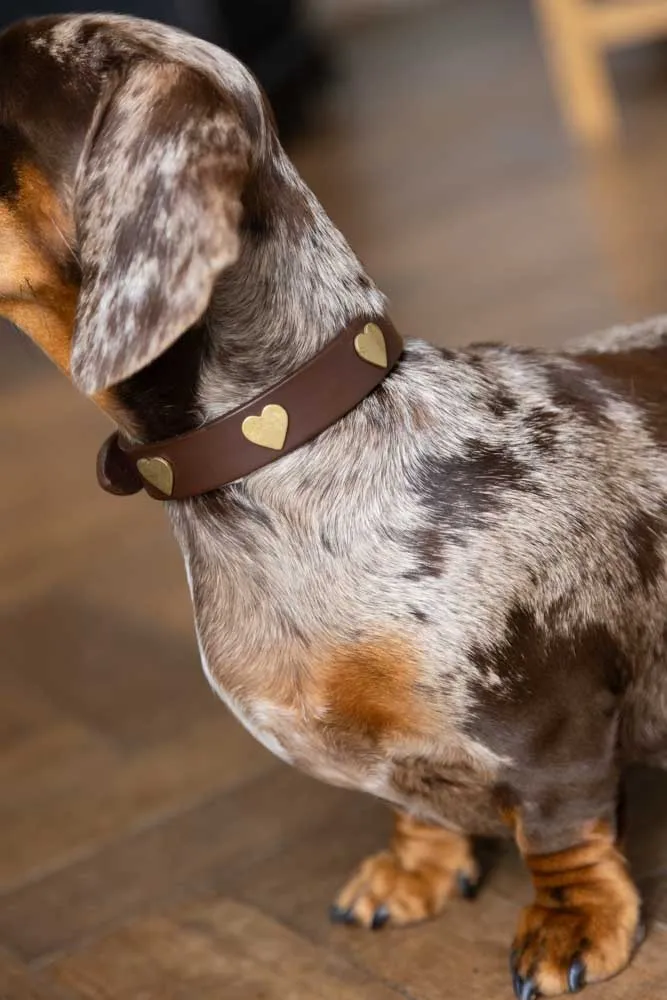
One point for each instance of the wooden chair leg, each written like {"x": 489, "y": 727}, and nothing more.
{"x": 579, "y": 68}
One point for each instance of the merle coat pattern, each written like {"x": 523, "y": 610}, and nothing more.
{"x": 455, "y": 598}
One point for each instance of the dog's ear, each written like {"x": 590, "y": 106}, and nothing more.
{"x": 157, "y": 206}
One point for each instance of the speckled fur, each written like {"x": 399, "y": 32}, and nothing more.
{"x": 325, "y": 547}
{"x": 455, "y": 598}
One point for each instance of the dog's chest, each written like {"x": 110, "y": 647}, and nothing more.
{"x": 336, "y": 715}
{"x": 298, "y": 734}
{"x": 349, "y": 697}
{"x": 438, "y": 780}
{"x": 359, "y": 719}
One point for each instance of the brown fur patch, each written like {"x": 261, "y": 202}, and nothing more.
{"x": 370, "y": 690}
{"x": 412, "y": 881}
{"x": 638, "y": 375}
{"x": 586, "y": 909}
{"x": 456, "y": 789}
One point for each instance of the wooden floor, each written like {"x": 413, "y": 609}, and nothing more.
{"x": 149, "y": 849}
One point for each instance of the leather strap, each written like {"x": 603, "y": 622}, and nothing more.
{"x": 231, "y": 447}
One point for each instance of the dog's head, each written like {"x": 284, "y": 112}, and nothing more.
{"x": 127, "y": 153}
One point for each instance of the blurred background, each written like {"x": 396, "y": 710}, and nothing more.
{"x": 501, "y": 168}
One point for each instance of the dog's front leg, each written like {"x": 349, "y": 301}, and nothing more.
{"x": 424, "y": 867}
{"x": 585, "y": 921}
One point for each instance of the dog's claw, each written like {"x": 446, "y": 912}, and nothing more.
{"x": 529, "y": 991}
{"x": 467, "y": 888}
{"x": 576, "y": 976}
{"x": 338, "y": 915}
{"x": 380, "y": 918}
{"x": 524, "y": 989}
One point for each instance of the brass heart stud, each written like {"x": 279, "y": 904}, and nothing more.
{"x": 268, "y": 430}
{"x": 370, "y": 345}
{"x": 158, "y": 472}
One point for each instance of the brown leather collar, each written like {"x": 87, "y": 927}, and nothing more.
{"x": 285, "y": 417}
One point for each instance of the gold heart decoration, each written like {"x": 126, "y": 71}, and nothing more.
{"x": 158, "y": 472}
{"x": 268, "y": 430}
{"x": 370, "y": 345}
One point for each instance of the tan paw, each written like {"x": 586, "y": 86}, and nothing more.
{"x": 383, "y": 891}
{"x": 587, "y": 933}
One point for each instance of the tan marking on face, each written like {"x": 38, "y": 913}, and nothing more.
{"x": 34, "y": 237}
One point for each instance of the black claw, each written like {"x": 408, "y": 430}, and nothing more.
{"x": 380, "y": 918}
{"x": 524, "y": 989}
{"x": 338, "y": 915}
{"x": 467, "y": 887}
{"x": 576, "y": 976}
{"x": 529, "y": 991}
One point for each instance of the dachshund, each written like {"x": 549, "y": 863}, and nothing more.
{"x": 453, "y": 594}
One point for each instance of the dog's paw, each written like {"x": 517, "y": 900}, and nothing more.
{"x": 561, "y": 948}
{"x": 384, "y": 891}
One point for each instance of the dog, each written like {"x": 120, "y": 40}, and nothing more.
{"x": 453, "y": 597}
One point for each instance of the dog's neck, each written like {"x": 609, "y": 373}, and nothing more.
{"x": 295, "y": 285}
